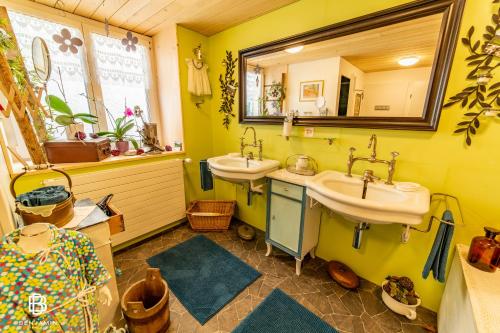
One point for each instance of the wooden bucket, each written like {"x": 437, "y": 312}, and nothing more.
{"x": 61, "y": 214}
{"x": 145, "y": 304}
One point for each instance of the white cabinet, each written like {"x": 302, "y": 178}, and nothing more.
{"x": 292, "y": 224}
{"x": 100, "y": 236}
{"x": 470, "y": 302}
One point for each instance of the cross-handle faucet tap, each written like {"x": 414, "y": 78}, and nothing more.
{"x": 350, "y": 162}
{"x": 373, "y": 144}
{"x": 260, "y": 149}
{"x": 392, "y": 167}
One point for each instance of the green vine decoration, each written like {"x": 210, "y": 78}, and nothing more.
{"x": 228, "y": 86}
{"x": 484, "y": 94}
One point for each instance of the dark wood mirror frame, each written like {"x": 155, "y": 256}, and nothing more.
{"x": 452, "y": 14}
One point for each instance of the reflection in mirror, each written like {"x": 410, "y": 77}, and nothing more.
{"x": 41, "y": 59}
{"x": 382, "y": 72}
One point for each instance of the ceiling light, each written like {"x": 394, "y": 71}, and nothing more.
{"x": 295, "y": 49}
{"x": 408, "y": 61}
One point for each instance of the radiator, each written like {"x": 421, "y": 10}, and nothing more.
{"x": 149, "y": 195}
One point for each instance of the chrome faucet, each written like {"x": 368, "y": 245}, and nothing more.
{"x": 368, "y": 177}
{"x": 373, "y": 145}
{"x": 373, "y": 159}
{"x": 243, "y": 145}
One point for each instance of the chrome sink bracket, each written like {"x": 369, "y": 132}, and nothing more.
{"x": 253, "y": 188}
{"x": 443, "y": 197}
{"x": 313, "y": 203}
{"x": 405, "y": 235}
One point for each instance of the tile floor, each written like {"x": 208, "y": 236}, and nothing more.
{"x": 347, "y": 311}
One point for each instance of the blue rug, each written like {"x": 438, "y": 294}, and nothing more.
{"x": 203, "y": 275}
{"x": 279, "y": 313}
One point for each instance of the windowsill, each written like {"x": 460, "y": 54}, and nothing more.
{"x": 18, "y": 167}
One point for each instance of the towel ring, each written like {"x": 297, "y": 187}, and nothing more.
{"x": 445, "y": 197}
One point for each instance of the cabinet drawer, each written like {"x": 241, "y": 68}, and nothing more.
{"x": 287, "y": 189}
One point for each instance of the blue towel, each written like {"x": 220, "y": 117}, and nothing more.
{"x": 48, "y": 195}
{"x": 207, "y": 183}
{"x": 439, "y": 252}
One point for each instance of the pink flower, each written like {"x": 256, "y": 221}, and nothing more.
{"x": 128, "y": 112}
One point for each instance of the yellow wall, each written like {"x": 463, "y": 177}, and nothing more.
{"x": 197, "y": 121}
{"x": 437, "y": 160}
{"x": 443, "y": 164}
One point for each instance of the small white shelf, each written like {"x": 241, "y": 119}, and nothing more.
{"x": 329, "y": 140}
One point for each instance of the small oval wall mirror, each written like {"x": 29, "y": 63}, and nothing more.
{"x": 41, "y": 59}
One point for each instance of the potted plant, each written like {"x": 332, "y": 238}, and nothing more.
{"x": 119, "y": 135}
{"x": 399, "y": 295}
{"x": 65, "y": 117}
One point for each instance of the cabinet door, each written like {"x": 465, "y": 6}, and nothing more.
{"x": 284, "y": 222}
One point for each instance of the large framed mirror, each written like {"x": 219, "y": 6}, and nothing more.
{"x": 388, "y": 69}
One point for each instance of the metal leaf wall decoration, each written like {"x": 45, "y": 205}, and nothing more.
{"x": 228, "y": 86}
{"x": 484, "y": 94}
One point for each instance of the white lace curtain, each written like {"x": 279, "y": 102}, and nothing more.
{"x": 28, "y": 27}
{"x": 117, "y": 65}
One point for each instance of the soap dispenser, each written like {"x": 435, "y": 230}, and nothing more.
{"x": 483, "y": 250}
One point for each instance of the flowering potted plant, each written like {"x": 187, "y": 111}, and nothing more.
{"x": 65, "y": 117}
{"x": 121, "y": 127}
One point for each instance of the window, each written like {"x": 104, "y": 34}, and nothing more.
{"x": 254, "y": 91}
{"x": 99, "y": 69}
{"x": 123, "y": 76}
{"x": 67, "y": 67}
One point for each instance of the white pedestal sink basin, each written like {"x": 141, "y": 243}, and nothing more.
{"x": 238, "y": 169}
{"x": 383, "y": 203}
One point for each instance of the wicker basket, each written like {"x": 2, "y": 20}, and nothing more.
{"x": 210, "y": 215}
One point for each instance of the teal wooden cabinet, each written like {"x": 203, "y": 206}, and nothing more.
{"x": 292, "y": 224}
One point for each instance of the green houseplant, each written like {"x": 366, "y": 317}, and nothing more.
{"x": 121, "y": 127}
{"x": 73, "y": 122}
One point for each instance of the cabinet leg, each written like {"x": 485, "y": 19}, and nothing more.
{"x": 298, "y": 266}
{"x": 312, "y": 253}
{"x": 269, "y": 249}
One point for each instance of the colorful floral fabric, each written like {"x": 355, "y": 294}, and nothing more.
{"x": 60, "y": 274}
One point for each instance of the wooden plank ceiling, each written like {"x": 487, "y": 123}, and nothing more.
{"x": 207, "y": 17}
{"x": 372, "y": 50}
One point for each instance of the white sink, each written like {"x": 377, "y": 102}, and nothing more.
{"x": 239, "y": 169}
{"x": 383, "y": 204}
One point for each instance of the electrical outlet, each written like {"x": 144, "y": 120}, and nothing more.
{"x": 308, "y": 132}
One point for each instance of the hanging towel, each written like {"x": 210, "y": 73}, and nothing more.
{"x": 206, "y": 180}
{"x": 198, "y": 83}
{"x": 439, "y": 252}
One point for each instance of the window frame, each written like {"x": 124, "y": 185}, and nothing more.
{"x": 87, "y": 27}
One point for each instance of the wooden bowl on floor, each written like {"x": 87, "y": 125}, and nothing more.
{"x": 343, "y": 275}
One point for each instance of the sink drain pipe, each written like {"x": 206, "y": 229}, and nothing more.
{"x": 358, "y": 234}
